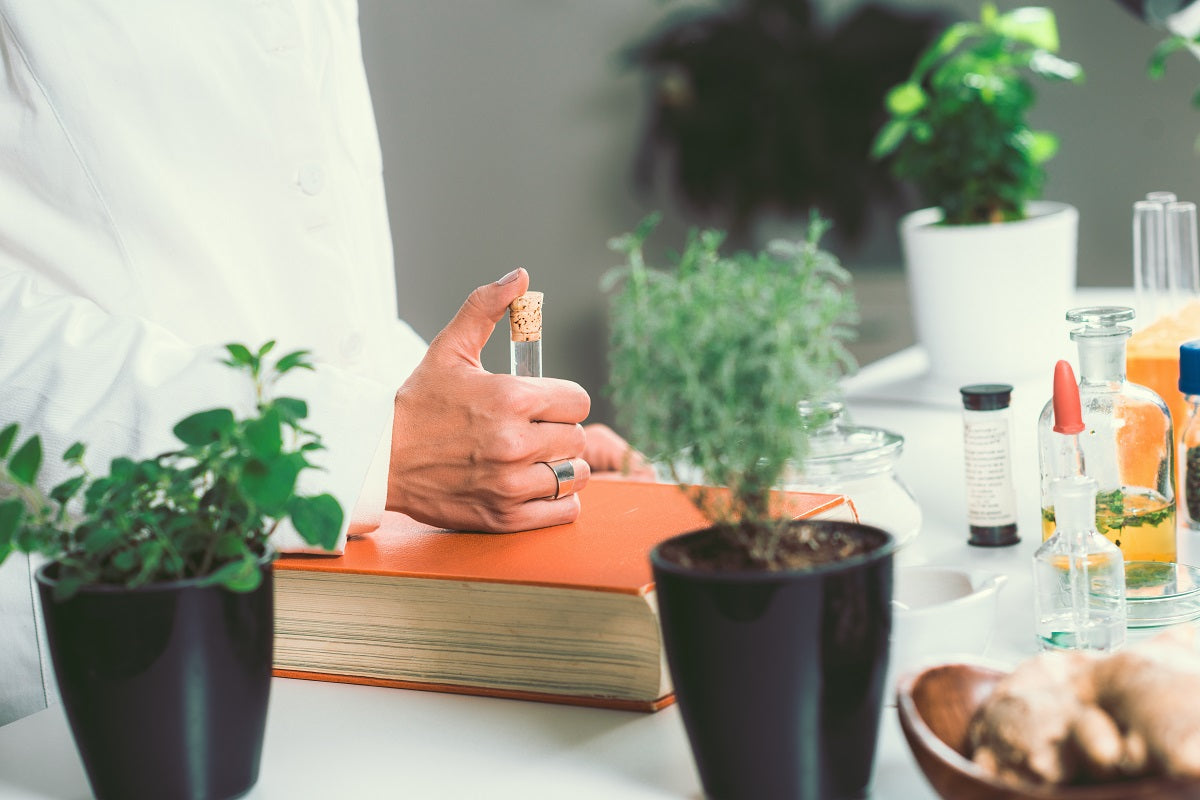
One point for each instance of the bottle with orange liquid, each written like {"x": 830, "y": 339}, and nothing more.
{"x": 1127, "y": 443}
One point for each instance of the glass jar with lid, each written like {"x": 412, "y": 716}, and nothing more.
{"x": 857, "y": 461}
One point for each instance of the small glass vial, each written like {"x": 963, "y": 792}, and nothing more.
{"x": 1128, "y": 443}
{"x": 987, "y": 449}
{"x": 525, "y": 328}
{"x": 1078, "y": 576}
{"x": 1189, "y": 440}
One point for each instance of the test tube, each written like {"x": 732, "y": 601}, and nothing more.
{"x": 525, "y": 325}
{"x": 1149, "y": 259}
{"x": 1183, "y": 263}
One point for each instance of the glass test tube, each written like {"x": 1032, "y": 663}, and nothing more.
{"x": 1183, "y": 263}
{"x": 1149, "y": 258}
{"x": 525, "y": 324}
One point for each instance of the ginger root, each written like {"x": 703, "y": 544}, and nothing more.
{"x": 1067, "y": 718}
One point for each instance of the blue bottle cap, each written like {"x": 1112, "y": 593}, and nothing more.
{"x": 1189, "y": 367}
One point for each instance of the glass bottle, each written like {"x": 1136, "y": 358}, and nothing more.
{"x": 1078, "y": 576}
{"x": 1189, "y": 440}
{"x": 859, "y": 461}
{"x": 1127, "y": 445}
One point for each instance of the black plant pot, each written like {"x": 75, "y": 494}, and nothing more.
{"x": 780, "y": 676}
{"x": 165, "y": 686}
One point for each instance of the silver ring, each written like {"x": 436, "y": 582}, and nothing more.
{"x": 564, "y": 477}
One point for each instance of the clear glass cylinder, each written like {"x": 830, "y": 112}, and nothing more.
{"x": 1128, "y": 444}
{"x": 1078, "y": 577}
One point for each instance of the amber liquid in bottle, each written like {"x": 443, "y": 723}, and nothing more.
{"x": 1128, "y": 445}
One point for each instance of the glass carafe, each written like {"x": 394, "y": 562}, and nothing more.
{"x": 1127, "y": 444}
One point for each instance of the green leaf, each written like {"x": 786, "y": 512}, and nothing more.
{"x": 264, "y": 434}
{"x": 74, "y": 453}
{"x": 889, "y": 138}
{"x": 67, "y": 586}
{"x": 1033, "y": 25}
{"x": 6, "y": 439}
{"x": 205, "y": 427}
{"x": 953, "y": 36}
{"x": 241, "y": 354}
{"x": 290, "y": 409}
{"x": 238, "y": 576}
{"x": 317, "y": 519}
{"x": 125, "y": 560}
{"x": 266, "y": 348}
{"x": 63, "y": 492}
{"x": 270, "y": 485}
{"x": 100, "y": 540}
{"x": 26, "y": 462}
{"x": 1041, "y": 146}
{"x": 906, "y": 99}
{"x": 1156, "y": 67}
{"x": 11, "y": 511}
{"x": 299, "y": 359}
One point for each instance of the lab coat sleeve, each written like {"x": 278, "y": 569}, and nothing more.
{"x": 72, "y": 371}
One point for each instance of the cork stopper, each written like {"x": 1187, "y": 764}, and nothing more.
{"x": 525, "y": 317}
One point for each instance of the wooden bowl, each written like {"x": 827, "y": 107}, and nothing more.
{"x": 935, "y": 706}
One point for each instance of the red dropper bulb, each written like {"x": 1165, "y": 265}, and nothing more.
{"x": 1068, "y": 416}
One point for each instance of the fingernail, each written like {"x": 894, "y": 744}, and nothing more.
{"x": 509, "y": 278}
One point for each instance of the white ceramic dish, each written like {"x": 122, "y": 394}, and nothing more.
{"x": 941, "y": 611}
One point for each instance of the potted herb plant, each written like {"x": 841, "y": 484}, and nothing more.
{"x": 158, "y": 599}
{"x": 776, "y": 630}
{"x": 987, "y": 246}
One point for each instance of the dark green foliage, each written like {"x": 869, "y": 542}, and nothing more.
{"x": 205, "y": 510}
{"x": 758, "y": 106}
{"x": 958, "y": 127}
{"x": 710, "y": 359}
{"x": 1156, "y": 68}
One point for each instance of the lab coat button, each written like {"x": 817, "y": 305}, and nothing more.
{"x": 311, "y": 178}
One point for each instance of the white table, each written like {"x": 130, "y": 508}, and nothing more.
{"x": 331, "y": 740}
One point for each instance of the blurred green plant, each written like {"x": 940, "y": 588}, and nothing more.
{"x": 958, "y": 128}
{"x": 1156, "y": 67}
{"x": 205, "y": 510}
{"x": 762, "y": 107}
{"x": 709, "y": 361}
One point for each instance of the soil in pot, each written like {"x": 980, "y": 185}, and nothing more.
{"x": 799, "y": 545}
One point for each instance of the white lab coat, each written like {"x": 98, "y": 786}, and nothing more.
{"x": 174, "y": 176}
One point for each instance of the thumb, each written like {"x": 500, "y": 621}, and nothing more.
{"x": 466, "y": 334}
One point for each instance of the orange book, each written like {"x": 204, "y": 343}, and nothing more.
{"x": 564, "y": 614}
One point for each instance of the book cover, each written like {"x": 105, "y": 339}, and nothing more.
{"x": 564, "y": 614}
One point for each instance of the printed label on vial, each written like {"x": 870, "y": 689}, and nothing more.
{"x": 990, "y": 496}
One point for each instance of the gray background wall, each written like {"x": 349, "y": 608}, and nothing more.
{"x": 508, "y": 136}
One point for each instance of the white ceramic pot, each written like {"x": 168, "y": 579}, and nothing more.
{"x": 986, "y": 298}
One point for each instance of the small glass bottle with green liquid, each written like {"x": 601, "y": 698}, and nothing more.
{"x": 1127, "y": 443}
{"x": 1078, "y": 576}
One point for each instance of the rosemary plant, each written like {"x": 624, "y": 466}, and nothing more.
{"x": 709, "y": 360}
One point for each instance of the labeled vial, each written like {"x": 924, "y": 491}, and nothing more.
{"x": 1078, "y": 576}
{"x": 525, "y": 329}
{"x": 987, "y": 449}
{"x": 1189, "y": 440}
